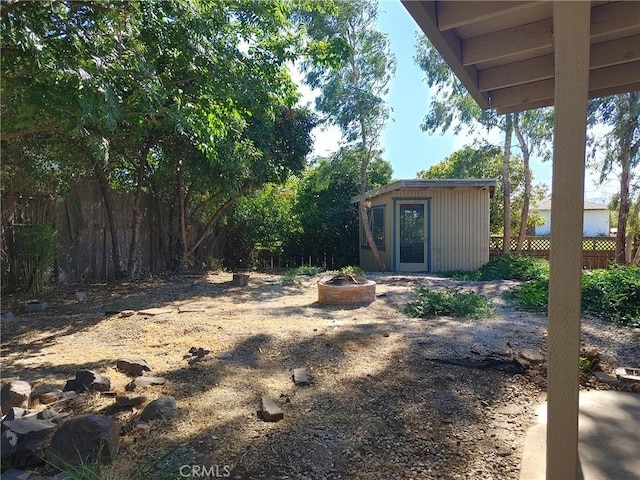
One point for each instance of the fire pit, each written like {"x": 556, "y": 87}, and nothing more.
{"x": 346, "y": 289}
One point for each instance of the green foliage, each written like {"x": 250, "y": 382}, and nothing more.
{"x": 532, "y": 296}
{"x": 37, "y": 248}
{"x": 612, "y": 295}
{"x": 448, "y": 303}
{"x": 292, "y": 276}
{"x": 506, "y": 267}
{"x": 352, "y": 270}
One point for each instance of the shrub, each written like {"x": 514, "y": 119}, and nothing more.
{"x": 449, "y": 302}
{"x": 291, "y": 276}
{"x": 506, "y": 267}
{"x": 612, "y": 294}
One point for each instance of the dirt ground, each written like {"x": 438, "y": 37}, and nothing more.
{"x": 390, "y": 396}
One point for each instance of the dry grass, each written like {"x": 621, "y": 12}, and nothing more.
{"x": 378, "y": 406}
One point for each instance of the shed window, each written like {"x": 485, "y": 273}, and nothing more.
{"x": 376, "y": 220}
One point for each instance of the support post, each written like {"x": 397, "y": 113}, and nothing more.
{"x": 571, "y": 30}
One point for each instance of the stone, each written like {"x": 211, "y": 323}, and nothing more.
{"x": 240, "y": 279}
{"x": 84, "y": 439}
{"x": 9, "y": 316}
{"x": 50, "y": 396}
{"x": 606, "y": 378}
{"x": 141, "y": 382}
{"x": 163, "y": 408}
{"x": 81, "y": 296}
{"x": 130, "y": 400}
{"x": 51, "y": 415}
{"x": 142, "y": 428}
{"x": 15, "y": 474}
{"x": 269, "y": 411}
{"x": 15, "y": 394}
{"x": 32, "y": 307}
{"x": 133, "y": 366}
{"x": 24, "y": 440}
{"x": 15, "y": 412}
{"x": 155, "y": 311}
{"x": 300, "y": 376}
{"x": 88, "y": 380}
{"x": 127, "y": 313}
{"x": 191, "y": 309}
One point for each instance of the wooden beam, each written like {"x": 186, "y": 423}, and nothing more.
{"x": 529, "y": 38}
{"x": 454, "y": 14}
{"x": 616, "y": 17}
{"x": 448, "y": 45}
{"x": 612, "y": 18}
{"x": 604, "y": 54}
{"x": 543, "y": 91}
{"x": 571, "y": 26}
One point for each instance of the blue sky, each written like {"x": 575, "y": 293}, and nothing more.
{"x": 408, "y": 148}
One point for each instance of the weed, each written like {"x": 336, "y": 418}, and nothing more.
{"x": 505, "y": 267}
{"x": 449, "y": 302}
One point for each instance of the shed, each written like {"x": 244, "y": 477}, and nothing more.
{"x": 428, "y": 225}
{"x": 595, "y": 221}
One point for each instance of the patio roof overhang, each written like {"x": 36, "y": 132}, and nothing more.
{"x": 502, "y": 51}
{"x": 518, "y": 55}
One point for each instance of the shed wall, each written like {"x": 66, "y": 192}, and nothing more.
{"x": 459, "y": 228}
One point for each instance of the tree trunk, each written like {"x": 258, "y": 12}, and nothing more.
{"x": 506, "y": 185}
{"x": 103, "y": 183}
{"x": 623, "y": 212}
{"x": 134, "y": 246}
{"x": 182, "y": 224}
{"x": 524, "y": 218}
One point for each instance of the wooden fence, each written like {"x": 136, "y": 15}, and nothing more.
{"x": 597, "y": 252}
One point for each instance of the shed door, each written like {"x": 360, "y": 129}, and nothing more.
{"x": 412, "y": 253}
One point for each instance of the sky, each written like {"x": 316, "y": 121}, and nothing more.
{"x": 406, "y": 146}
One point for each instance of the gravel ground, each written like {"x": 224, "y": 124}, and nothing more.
{"x": 390, "y": 396}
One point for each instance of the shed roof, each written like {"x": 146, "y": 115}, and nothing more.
{"x": 416, "y": 184}
{"x": 503, "y": 51}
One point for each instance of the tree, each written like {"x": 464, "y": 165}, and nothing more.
{"x": 453, "y": 107}
{"x": 328, "y": 221}
{"x": 618, "y": 149}
{"x": 128, "y": 82}
{"x": 485, "y": 161}
{"x": 353, "y": 85}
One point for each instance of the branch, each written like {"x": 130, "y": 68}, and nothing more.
{"x": 30, "y": 131}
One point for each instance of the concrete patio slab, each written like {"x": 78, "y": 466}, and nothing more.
{"x": 608, "y": 434}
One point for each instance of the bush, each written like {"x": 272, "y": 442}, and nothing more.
{"x": 506, "y": 267}
{"x": 449, "y": 302}
{"x": 612, "y": 294}
{"x": 291, "y": 275}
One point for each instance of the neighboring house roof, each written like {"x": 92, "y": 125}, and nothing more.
{"x": 452, "y": 183}
{"x": 545, "y": 204}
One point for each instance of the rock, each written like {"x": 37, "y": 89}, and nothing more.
{"x": 142, "y": 382}
{"x": 127, "y": 313}
{"x": 24, "y": 440}
{"x": 9, "y": 316}
{"x": 15, "y": 412}
{"x": 88, "y": 380}
{"x": 15, "y": 394}
{"x": 300, "y": 376}
{"x": 84, "y": 439}
{"x": 130, "y": 400}
{"x": 51, "y": 415}
{"x": 142, "y": 428}
{"x": 240, "y": 279}
{"x": 15, "y": 474}
{"x": 50, "y": 396}
{"x": 133, "y": 366}
{"x": 35, "y": 306}
{"x": 155, "y": 311}
{"x": 164, "y": 408}
{"x": 269, "y": 411}
{"x": 81, "y": 296}
{"x": 191, "y": 309}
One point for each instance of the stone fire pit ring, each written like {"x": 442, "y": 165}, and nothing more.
{"x": 339, "y": 290}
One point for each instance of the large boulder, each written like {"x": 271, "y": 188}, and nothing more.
{"x": 84, "y": 439}
{"x": 24, "y": 440}
{"x": 15, "y": 394}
